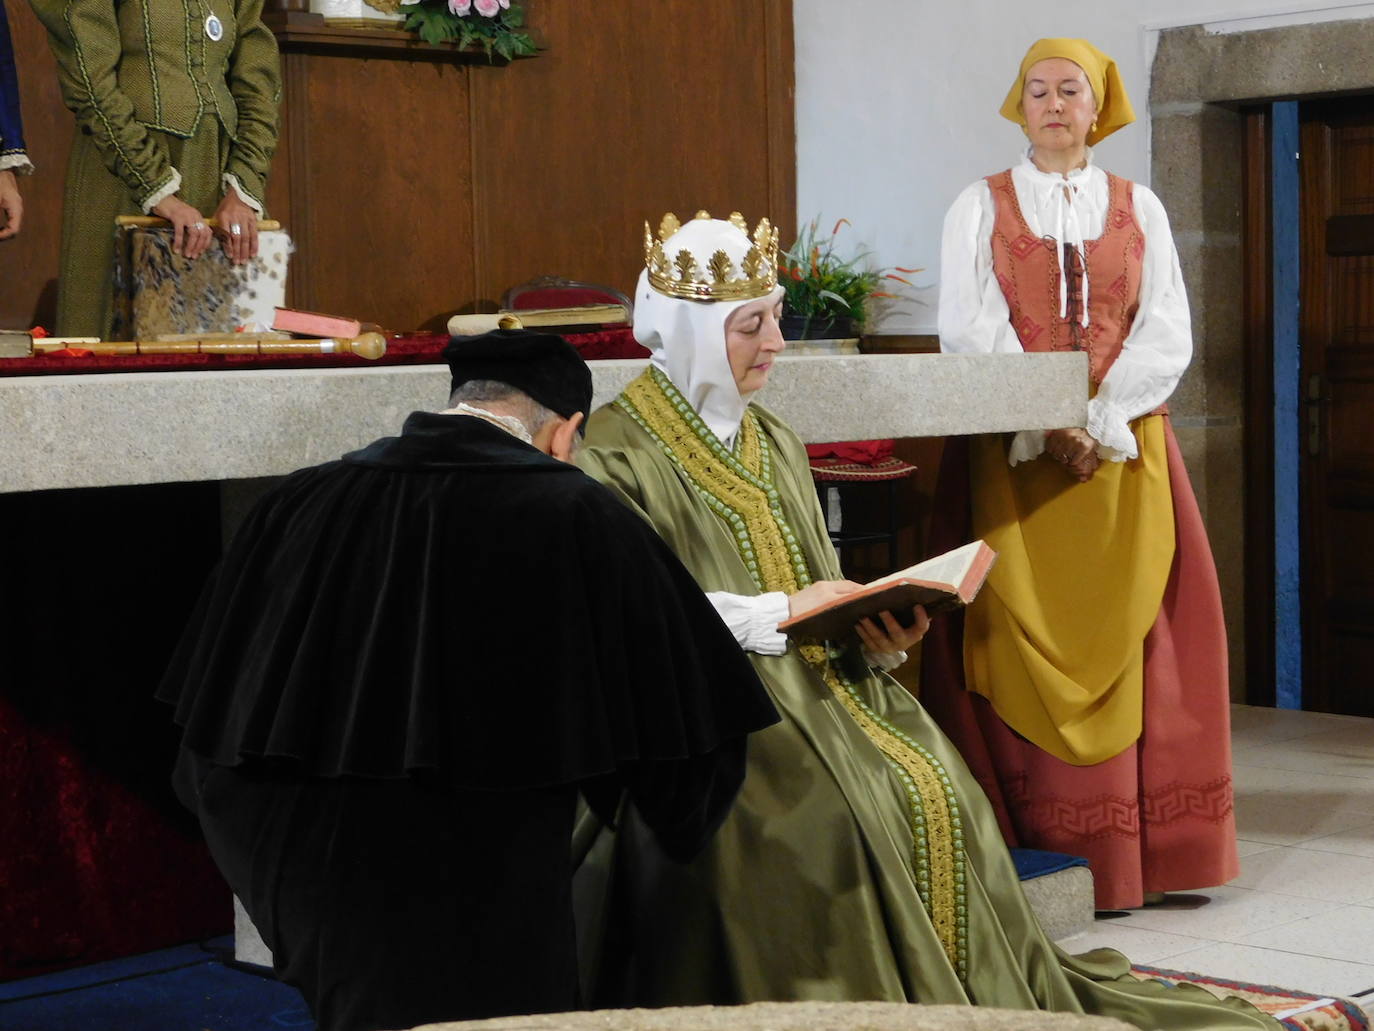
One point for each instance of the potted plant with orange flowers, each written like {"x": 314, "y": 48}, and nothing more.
{"x": 825, "y": 295}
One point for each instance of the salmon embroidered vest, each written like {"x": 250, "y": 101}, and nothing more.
{"x": 1028, "y": 272}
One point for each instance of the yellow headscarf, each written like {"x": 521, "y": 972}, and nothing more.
{"x": 1114, "y": 107}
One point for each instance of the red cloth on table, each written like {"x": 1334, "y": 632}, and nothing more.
{"x": 861, "y": 452}
{"x": 401, "y": 349}
{"x": 607, "y": 343}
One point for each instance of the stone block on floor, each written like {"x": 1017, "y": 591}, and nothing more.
{"x": 795, "y": 1016}
{"x": 248, "y": 944}
{"x": 1062, "y": 901}
{"x": 1059, "y": 889}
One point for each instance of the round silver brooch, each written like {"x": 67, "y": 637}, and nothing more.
{"x": 214, "y": 28}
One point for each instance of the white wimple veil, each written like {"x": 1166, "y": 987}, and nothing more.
{"x": 687, "y": 338}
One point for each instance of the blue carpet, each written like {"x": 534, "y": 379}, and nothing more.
{"x": 1031, "y": 862}
{"x": 188, "y": 988}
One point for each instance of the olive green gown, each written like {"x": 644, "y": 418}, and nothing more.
{"x": 861, "y": 860}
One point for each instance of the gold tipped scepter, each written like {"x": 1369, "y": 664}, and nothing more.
{"x": 370, "y": 345}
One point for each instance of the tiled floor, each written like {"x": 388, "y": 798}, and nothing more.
{"x": 1301, "y": 913}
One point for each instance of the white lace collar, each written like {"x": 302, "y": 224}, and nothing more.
{"x": 509, "y": 423}
{"x": 1076, "y": 178}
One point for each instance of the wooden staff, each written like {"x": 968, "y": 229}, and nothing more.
{"x": 153, "y": 222}
{"x": 366, "y": 345}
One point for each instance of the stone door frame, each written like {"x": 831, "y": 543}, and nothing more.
{"x": 1200, "y": 83}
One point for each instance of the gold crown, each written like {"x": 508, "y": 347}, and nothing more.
{"x": 681, "y": 276}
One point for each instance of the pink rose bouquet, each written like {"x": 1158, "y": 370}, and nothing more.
{"x": 494, "y": 25}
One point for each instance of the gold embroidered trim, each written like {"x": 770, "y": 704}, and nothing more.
{"x": 739, "y": 488}
{"x": 936, "y": 826}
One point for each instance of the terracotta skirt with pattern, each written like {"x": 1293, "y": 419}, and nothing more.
{"x": 1156, "y": 816}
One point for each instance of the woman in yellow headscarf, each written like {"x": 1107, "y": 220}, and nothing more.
{"x": 1096, "y": 712}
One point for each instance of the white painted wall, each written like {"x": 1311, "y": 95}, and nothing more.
{"x": 897, "y": 104}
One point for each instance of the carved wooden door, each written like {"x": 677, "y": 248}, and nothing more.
{"x": 1337, "y": 274}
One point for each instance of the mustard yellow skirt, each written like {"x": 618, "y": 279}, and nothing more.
{"x": 1056, "y": 639}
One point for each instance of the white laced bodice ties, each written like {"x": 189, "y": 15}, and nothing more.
{"x": 974, "y": 317}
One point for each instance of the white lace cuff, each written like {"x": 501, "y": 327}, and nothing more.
{"x": 232, "y": 180}
{"x": 884, "y": 661}
{"x": 1026, "y": 446}
{"x": 753, "y": 619}
{"x": 18, "y": 163}
{"x": 1111, "y": 429}
{"x": 161, "y": 193}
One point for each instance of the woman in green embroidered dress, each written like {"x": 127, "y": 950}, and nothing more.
{"x": 861, "y": 861}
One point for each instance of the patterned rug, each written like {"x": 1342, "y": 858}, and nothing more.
{"x": 1297, "y": 1011}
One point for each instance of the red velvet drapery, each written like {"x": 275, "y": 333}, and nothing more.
{"x": 96, "y": 857}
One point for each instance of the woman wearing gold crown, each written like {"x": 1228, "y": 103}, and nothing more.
{"x": 861, "y": 860}
{"x": 1097, "y": 712}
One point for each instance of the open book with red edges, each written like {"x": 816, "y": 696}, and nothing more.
{"x": 944, "y": 582}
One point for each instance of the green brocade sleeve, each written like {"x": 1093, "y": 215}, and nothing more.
{"x": 254, "y": 81}
{"x": 612, "y": 470}
{"x": 85, "y": 40}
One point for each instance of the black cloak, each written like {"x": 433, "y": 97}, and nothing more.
{"x": 454, "y": 600}
{"x": 406, "y": 668}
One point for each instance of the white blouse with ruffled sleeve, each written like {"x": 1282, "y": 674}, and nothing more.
{"x": 974, "y": 317}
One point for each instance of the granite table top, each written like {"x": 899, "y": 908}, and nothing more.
{"x": 162, "y": 427}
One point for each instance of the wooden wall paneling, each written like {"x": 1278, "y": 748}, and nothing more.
{"x": 781, "y": 99}
{"x": 652, "y": 105}
{"x": 1258, "y": 330}
{"x": 378, "y": 186}
{"x": 28, "y": 263}
{"x": 1338, "y": 363}
{"x": 280, "y": 202}
{"x": 414, "y": 186}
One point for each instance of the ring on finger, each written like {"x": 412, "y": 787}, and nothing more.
{"x": 236, "y": 230}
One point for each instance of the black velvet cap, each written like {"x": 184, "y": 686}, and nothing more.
{"x": 542, "y": 365}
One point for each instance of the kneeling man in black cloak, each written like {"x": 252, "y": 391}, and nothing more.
{"x": 410, "y": 663}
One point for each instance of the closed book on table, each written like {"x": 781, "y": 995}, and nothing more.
{"x": 947, "y": 581}
{"x": 315, "y": 324}
{"x": 156, "y": 291}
